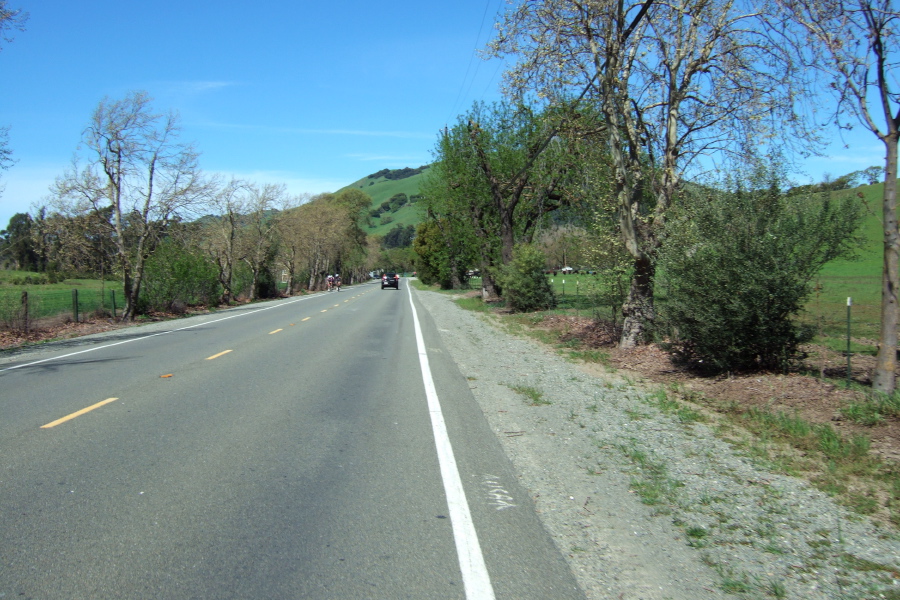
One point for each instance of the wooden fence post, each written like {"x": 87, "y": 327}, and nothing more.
{"x": 25, "y": 309}
{"x": 75, "y": 304}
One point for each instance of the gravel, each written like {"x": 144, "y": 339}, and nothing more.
{"x": 594, "y": 447}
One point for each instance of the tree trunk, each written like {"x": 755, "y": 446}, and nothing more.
{"x": 638, "y": 309}
{"x": 885, "y": 367}
{"x": 507, "y": 235}
{"x": 254, "y": 271}
{"x": 490, "y": 291}
{"x": 455, "y": 282}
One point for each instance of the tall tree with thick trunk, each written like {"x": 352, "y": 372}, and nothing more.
{"x": 672, "y": 82}
{"x": 145, "y": 175}
{"x": 852, "y": 49}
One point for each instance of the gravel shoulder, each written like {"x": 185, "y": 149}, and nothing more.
{"x": 594, "y": 447}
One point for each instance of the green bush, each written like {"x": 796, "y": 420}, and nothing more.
{"x": 525, "y": 286}
{"x": 737, "y": 268}
{"x": 177, "y": 276}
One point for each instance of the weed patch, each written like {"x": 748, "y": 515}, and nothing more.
{"x": 533, "y": 394}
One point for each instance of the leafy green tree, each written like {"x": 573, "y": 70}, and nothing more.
{"x": 738, "y": 266}
{"x": 500, "y": 173}
{"x": 17, "y": 243}
{"x": 873, "y": 174}
{"x": 399, "y": 236}
{"x": 440, "y": 257}
{"x": 397, "y": 201}
{"x": 401, "y": 260}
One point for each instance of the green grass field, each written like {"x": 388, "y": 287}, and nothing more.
{"x": 858, "y": 279}
{"x": 52, "y": 299}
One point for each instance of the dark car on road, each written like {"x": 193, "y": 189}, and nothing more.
{"x": 390, "y": 280}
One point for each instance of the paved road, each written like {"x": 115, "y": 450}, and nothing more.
{"x": 291, "y": 449}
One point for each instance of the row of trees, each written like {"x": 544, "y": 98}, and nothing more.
{"x": 130, "y": 206}
{"x": 611, "y": 105}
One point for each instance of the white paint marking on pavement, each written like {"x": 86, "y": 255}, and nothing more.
{"x": 476, "y": 580}
{"x": 243, "y": 314}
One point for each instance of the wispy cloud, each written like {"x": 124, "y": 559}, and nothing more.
{"x": 191, "y": 88}
{"x": 388, "y": 158}
{"x": 295, "y": 184}
{"x": 305, "y": 131}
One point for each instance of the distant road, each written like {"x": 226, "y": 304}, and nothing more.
{"x": 280, "y": 450}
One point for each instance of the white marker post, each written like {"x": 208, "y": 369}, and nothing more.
{"x": 849, "y": 304}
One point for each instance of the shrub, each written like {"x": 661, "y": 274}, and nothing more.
{"x": 737, "y": 268}
{"x": 176, "y": 275}
{"x": 525, "y": 286}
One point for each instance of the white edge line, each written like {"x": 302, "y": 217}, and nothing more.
{"x": 243, "y": 314}
{"x": 476, "y": 581}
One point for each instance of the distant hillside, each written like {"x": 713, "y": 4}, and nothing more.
{"x": 384, "y": 185}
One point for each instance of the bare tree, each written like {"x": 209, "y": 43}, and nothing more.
{"x": 852, "y": 49}
{"x": 10, "y": 19}
{"x": 320, "y": 235}
{"x": 257, "y": 238}
{"x": 290, "y": 229}
{"x": 671, "y": 82}
{"x": 136, "y": 166}
{"x": 221, "y": 233}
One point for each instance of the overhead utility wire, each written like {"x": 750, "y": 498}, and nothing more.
{"x": 471, "y": 58}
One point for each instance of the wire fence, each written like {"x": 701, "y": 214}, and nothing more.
{"x": 21, "y": 309}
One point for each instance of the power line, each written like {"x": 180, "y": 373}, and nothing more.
{"x": 462, "y": 85}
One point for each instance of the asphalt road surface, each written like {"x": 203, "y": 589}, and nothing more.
{"x": 315, "y": 447}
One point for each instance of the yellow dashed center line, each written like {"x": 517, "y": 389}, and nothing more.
{"x": 218, "y": 355}
{"x": 78, "y": 414}
{"x": 306, "y": 319}
{"x": 276, "y": 331}
{"x": 326, "y": 310}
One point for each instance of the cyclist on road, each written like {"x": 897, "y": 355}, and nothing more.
{"x": 337, "y": 281}
{"x": 330, "y": 282}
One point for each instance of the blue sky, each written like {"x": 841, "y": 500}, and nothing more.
{"x": 314, "y": 95}
{"x": 311, "y": 94}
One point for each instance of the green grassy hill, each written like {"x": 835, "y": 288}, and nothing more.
{"x": 383, "y": 185}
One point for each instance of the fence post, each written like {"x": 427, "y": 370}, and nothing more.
{"x": 849, "y": 304}
{"x": 113, "y": 294}
{"x": 25, "y": 309}
{"x": 75, "y": 305}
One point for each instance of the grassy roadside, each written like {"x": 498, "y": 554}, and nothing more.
{"x": 842, "y": 466}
